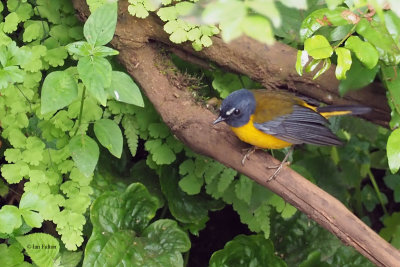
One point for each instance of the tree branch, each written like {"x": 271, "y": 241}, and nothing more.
{"x": 192, "y": 123}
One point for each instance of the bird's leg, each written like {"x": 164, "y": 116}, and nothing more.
{"x": 248, "y": 152}
{"x": 279, "y": 167}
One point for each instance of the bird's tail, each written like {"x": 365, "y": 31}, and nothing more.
{"x": 329, "y": 111}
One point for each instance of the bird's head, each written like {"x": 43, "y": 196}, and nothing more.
{"x": 237, "y": 108}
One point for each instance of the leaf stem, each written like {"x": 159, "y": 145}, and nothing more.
{"x": 378, "y": 193}
{"x": 345, "y": 38}
{"x": 81, "y": 110}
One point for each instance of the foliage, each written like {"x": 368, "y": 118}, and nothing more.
{"x": 61, "y": 97}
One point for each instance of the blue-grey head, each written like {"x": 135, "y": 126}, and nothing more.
{"x": 237, "y": 108}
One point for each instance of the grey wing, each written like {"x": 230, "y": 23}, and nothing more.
{"x": 303, "y": 125}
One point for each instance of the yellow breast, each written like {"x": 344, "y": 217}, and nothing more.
{"x": 251, "y": 135}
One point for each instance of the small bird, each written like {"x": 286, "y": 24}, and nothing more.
{"x": 276, "y": 119}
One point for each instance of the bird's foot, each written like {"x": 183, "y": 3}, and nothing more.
{"x": 279, "y": 167}
{"x": 248, "y": 152}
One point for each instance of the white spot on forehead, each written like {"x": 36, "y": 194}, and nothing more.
{"x": 229, "y": 112}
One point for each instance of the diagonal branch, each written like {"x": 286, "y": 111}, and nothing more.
{"x": 191, "y": 123}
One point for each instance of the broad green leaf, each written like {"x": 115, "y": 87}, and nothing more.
{"x": 132, "y": 210}
{"x": 258, "y": 28}
{"x": 10, "y": 218}
{"x": 266, "y": 8}
{"x": 376, "y": 34}
{"x": 254, "y": 250}
{"x": 109, "y": 135}
{"x": 123, "y": 89}
{"x": 104, "y": 51}
{"x": 302, "y": 60}
{"x": 80, "y": 48}
{"x": 85, "y": 153}
{"x": 318, "y": 47}
{"x": 100, "y": 26}
{"x": 319, "y": 18}
{"x": 95, "y": 73}
{"x": 365, "y": 52}
{"x": 121, "y": 234}
{"x": 41, "y": 248}
{"x": 357, "y": 77}
{"x": 59, "y": 90}
{"x": 393, "y": 151}
{"x": 343, "y": 62}
{"x": 161, "y": 245}
{"x": 11, "y": 255}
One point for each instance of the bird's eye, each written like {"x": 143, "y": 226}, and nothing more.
{"x": 236, "y": 112}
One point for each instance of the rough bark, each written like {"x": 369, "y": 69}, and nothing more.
{"x": 191, "y": 122}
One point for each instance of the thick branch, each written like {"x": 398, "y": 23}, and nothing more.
{"x": 191, "y": 123}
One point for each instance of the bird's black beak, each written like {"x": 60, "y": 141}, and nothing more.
{"x": 218, "y": 120}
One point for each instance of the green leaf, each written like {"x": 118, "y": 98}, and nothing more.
{"x": 80, "y": 48}
{"x": 166, "y": 13}
{"x": 95, "y": 73}
{"x": 85, "y": 153}
{"x": 343, "y": 62}
{"x": 11, "y": 255}
{"x": 100, "y": 26}
{"x": 357, "y": 77}
{"x": 59, "y": 90}
{"x": 42, "y": 248}
{"x": 10, "y": 218}
{"x": 255, "y": 250}
{"x": 365, "y": 52}
{"x": 131, "y": 132}
{"x": 178, "y": 36}
{"x": 244, "y": 188}
{"x": 319, "y": 18}
{"x": 393, "y": 151}
{"x": 161, "y": 152}
{"x": 302, "y": 60}
{"x": 188, "y": 209}
{"x": 391, "y": 231}
{"x": 258, "y": 28}
{"x": 11, "y": 22}
{"x": 326, "y": 64}
{"x": 138, "y": 10}
{"x": 132, "y": 210}
{"x": 266, "y": 8}
{"x": 318, "y": 47}
{"x": 104, "y": 51}
{"x": 191, "y": 184}
{"x": 109, "y": 135}
{"x": 13, "y": 173}
{"x": 121, "y": 233}
{"x": 377, "y": 34}
{"x": 123, "y": 89}
{"x": 393, "y": 182}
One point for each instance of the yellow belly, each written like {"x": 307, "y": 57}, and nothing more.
{"x": 251, "y": 135}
